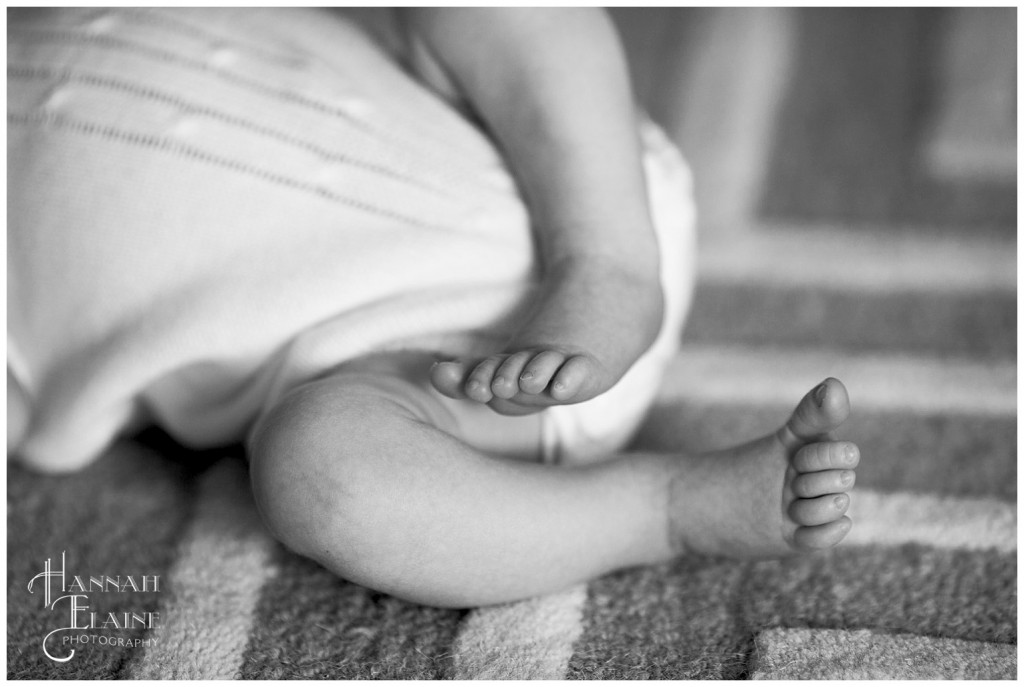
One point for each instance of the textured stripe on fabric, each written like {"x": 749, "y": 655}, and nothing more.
{"x": 891, "y": 519}
{"x": 952, "y": 593}
{"x": 312, "y": 625}
{"x": 213, "y": 587}
{"x": 743, "y": 374}
{"x": 196, "y": 108}
{"x": 910, "y": 323}
{"x": 176, "y": 148}
{"x": 824, "y": 255}
{"x": 804, "y": 654}
{"x": 910, "y": 589}
{"x": 123, "y": 515}
{"x": 528, "y": 640}
{"x": 663, "y": 623}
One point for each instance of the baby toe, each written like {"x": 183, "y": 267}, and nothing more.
{"x": 571, "y": 378}
{"x": 539, "y": 370}
{"x": 448, "y": 377}
{"x": 505, "y": 383}
{"x": 812, "y": 484}
{"x": 826, "y": 455}
{"x": 478, "y": 386}
{"x": 822, "y": 536}
{"x": 819, "y": 511}
{"x": 822, "y": 410}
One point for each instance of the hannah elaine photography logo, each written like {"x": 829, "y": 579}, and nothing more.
{"x": 70, "y": 596}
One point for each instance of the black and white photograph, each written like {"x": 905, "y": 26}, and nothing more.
{"x": 512, "y": 343}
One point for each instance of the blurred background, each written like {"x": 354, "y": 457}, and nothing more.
{"x": 883, "y": 117}
{"x": 856, "y": 183}
{"x": 873, "y": 149}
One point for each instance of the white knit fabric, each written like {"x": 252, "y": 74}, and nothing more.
{"x": 207, "y": 207}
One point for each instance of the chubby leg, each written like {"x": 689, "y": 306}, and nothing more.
{"x": 368, "y": 475}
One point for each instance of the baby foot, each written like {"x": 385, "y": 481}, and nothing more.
{"x": 535, "y": 377}
{"x": 783, "y": 493}
{"x": 590, "y": 325}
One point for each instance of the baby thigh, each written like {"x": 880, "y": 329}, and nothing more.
{"x": 330, "y": 467}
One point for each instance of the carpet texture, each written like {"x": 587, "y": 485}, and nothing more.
{"x": 835, "y": 241}
{"x": 866, "y": 655}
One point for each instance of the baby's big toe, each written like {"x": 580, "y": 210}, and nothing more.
{"x": 447, "y": 377}
{"x": 817, "y": 414}
{"x": 572, "y": 377}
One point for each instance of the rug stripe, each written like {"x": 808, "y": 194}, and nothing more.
{"x": 662, "y": 623}
{"x": 121, "y": 515}
{"x": 312, "y": 625}
{"x": 829, "y": 256}
{"x": 892, "y": 519}
{"x": 960, "y": 455}
{"x": 733, "y": 374}
{"x": 914, "y": 589}
{"x": 696, "y": 618}
{"x": 529, "y": 640}
{"x": 911, "y": 322}
{"x": 224, "y": 561}
{"x": 803, "y": 654}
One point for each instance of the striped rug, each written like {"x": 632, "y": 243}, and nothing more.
{"x": 908, "y": 296}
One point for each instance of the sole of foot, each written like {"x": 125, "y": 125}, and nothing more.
{"x": 592, "y": 321}
{"x": 524, "y": 381}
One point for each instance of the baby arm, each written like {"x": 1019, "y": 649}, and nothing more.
{"x": 552, "y": 87}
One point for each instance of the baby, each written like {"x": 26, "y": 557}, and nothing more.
{"x": 435, "y": 367}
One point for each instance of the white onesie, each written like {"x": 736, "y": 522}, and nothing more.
{"x": 208, "y": 207}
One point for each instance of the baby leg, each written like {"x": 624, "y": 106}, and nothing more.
{"x": 369, "y": 475}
